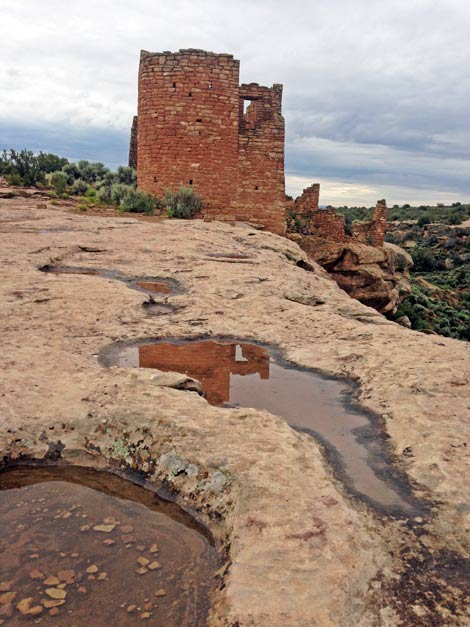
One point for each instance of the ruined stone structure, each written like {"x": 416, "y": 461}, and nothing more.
{"x": 198, "y": 127}
{"x": 194, "y": 129}
{"x": 133, "y": 144}
{"x": 328, "y": 224}
{"x": 373, "y": 232}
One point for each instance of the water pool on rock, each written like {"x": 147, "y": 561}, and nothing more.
{"x": 81, "y": 547}
{"x": 154, "y": 285}
{"x": 242, "y": 374}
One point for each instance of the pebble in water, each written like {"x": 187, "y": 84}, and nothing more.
{"x": 69, "y": 554}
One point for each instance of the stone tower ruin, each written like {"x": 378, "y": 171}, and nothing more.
{"x": 198, "y": 127}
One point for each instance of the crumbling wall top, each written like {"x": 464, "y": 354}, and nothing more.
{"x": 256, "y": 91}
{"x": 185, "y": 52}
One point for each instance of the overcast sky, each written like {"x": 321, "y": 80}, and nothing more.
{"x": 376, "y": 92}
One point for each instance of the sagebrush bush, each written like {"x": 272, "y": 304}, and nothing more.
{"x": 118, "y": 191}
{"x": 103, "y": 191}
{"x": 137, "y": 202}
{"x": 423, "y": 220}
{"x": 72, "y": 172}
{"x": 126, "y": 175}
{"x": 59, "y": 182}
{"x": 91, "y": 172}
{"x": 79, "y": 187}
{"x": 182, "y": 204}
{"x": 91, "y": 192}
{"x": 14, "y": 179}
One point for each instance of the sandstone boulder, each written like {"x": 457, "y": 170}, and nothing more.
{"x": 377, "y": 277}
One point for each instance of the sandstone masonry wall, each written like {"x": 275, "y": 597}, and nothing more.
{"x": 373, "y": 232}
{"x": 133, "y": 144}
{"x": 261, "y": 186}
{"x": 308, "y": 201}
{"x": 330, "y": 225}
{"x": 193, "y": 130}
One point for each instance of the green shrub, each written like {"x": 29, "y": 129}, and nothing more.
{"x": 49, "y": 163}
{"x": 424, "y": 260}
{"x": 25, "y": 165}
{"x": 4, "y": 164}
{"x": 91, "y": 172}
{"x": 456, "y": 217}
{"x": 28, "y": 168}
{"x": 137, "y": 202}
{"x": 423, "y": 220}
{"x": 14, "y": 179}
{"x": 79, "y": 188}
{"x": 118, "y": 191}
{"x": 91, "y": 192}
{"x": 182, "y": 204}
{"x": 293, "y": 222}
{"x": 72, "y": 172}
{"x": 59, "y": 182}
{"x": 104, "y": 193}
{"x": 126, "y": 175}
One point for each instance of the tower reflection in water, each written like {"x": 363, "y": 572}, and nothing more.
{"x": 210, "y": 362}
{"x": 246, "y": 375}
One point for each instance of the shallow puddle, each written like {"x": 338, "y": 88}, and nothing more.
{"x": 147, "y": 285}
{"x": 81, "y": 548}
{"x": 236, "y": 373}
{"x": 158, "y": 287}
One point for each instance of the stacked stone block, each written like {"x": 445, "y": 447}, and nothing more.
{"x": 373, "y": 233}
{"x": 261, "y": 185}
{"x": 328, "y": 224}
{"x": 308, "y": 201}
{"x": 193, "y": 131}
{"x": 133, "y": 144}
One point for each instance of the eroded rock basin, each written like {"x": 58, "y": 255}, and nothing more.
{"x": 154, "y": 285}
{"x": 82, "y": 547}
{"x": 241, "y": 374}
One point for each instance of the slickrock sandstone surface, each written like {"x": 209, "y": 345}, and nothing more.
{"x": 300, "y": 550}
{"x": 376, "y": 276}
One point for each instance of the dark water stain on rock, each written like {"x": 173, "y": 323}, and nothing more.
{"x": 236, "y": 373}
{"x": 432, "y": 587}
{"x": 147, "y": 285}
{"x": 83, "y": 547}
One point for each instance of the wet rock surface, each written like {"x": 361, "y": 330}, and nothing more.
{"x": 301, "y": 550}
{"x": 234, "y": 373}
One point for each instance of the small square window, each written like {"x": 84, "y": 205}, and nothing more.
{"x": 190, "y": 181}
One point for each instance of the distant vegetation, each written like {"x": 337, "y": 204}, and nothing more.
{"x": 92, "y": 183}
{"x": 440, "y": 278}
{"x": 444, "y": 214}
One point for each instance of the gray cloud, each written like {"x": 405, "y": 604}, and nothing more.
{"x": 375, "y": 93}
